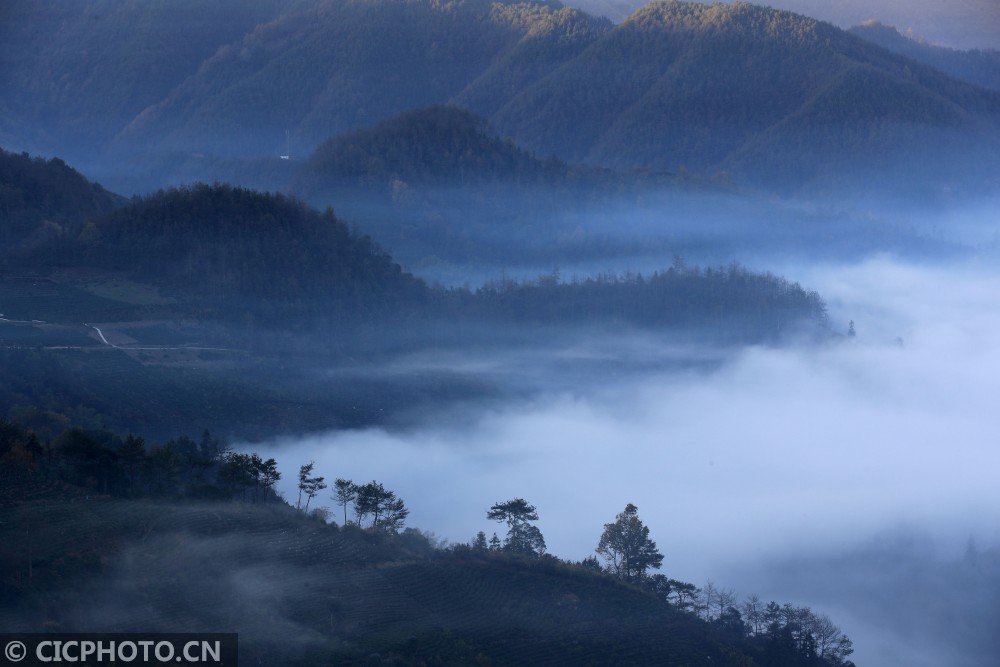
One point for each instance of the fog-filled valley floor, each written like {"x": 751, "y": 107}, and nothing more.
{"x": 770, "y": 469}
{"x": 846, "y": 465}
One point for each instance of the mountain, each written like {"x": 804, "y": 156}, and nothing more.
{"x": 981, "y": 67}
{"x": 73, "y": 74}
{"x": 338, "y": 66}
{"x": 260, "y": 306}
{"x": 775, "y": 100}
{"x": 437, "y": 182}
{"x": 961, "y": 24}
{"x": 233, "y": 248}
{"x": 39, "y": 197}
{"x": 439, "y": 146}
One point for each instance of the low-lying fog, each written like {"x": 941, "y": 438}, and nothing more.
{"x": 743, "y": 466}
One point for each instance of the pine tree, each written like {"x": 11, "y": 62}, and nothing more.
{"x": 626, "y": 546}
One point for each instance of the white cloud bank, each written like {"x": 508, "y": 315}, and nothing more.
{"x": 777, "y": 454}
{"x": 779, "y": 450}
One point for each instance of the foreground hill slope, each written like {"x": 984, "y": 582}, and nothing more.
{"x": 302, "y": 592}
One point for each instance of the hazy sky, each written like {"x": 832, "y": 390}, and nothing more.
{"x": 956, "y": 23}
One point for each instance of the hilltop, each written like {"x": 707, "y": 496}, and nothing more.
{"x": 236, "y": 250}
{"x": 39, "y": 198}
{"x": 105, "y": 533}
{"x": 437, "y": 146}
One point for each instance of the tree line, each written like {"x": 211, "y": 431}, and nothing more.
{"x": 371, "y": 505}
{"x": 778, "y": 634}
{"x": 104, "y": 463}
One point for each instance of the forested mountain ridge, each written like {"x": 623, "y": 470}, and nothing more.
{"x": 76, "y": 73}
{"x": 235, "y": 248}
{"x": 339, "y": 66}
{"x": 979, "y": 66}
{"x": 222, "y": 296}
{"x": 233, "y": 252}
{"x": 39, "y": 197}
{"x": 438, "y": 183}
{"x": 775, "y": 99}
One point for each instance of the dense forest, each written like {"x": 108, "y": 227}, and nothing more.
{"x": 438, "y": 185}
{"x": 978, "y": 66}
{"x": 211, "y": 295}
{"x": 443, "y": 146}
{"x": 446, "y": 194}
{"x": 233, "y": 253}
{"x": 39, "y": 197}
{"x": 756, "y": 93}
{"x": 229, "y": 246}
{"x": 113, "y": 504}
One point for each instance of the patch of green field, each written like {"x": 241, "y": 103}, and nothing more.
{"x": 34, "y": 298}
{"x": 18, "y": 334}
{"x": 127, "y": 291}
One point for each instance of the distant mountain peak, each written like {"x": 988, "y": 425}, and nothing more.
{"x": 981, "y": 67}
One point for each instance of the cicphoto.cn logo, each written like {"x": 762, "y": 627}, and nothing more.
{"x": 15, "y": 651}
{"x": 214, "y": 649}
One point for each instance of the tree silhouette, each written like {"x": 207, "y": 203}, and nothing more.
{"x": 313, "y": 486}
{"x": 132, "y": 452}
{"x": 522, "y": 537}
{"x": 387, "y": 511}
{"x": 345, "y": 492}
{"x": 626, "y": 546}
{"x": 269, "y": 476}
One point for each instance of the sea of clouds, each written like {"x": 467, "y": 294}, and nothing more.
{"x": 775, "y": 452}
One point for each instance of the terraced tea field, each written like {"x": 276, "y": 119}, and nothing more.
{"x": 295, "y": 587}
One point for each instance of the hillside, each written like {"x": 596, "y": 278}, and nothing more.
{"x": 108, "y": 533}
{"x": 438, "y": 183}
{"x": 962, "y": 24}
{"x": 38, "y": 198}
{"x": 74, "y": 74}
{"x": 981, "y": 67}
{"x": 777, "y": 99}
{"x": 236, "y": 250}
{"x": 774, "y": 99}
{"x": 259, "y": 306}
{"x": 437, "y": 146}
{"x": 333, "y": 68}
